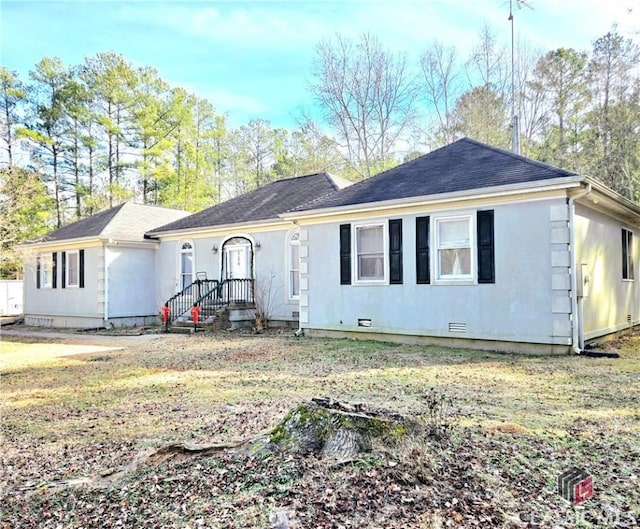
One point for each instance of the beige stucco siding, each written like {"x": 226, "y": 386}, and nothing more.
{"x": 612, "y": 303}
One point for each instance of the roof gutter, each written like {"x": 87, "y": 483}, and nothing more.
{"x": 577, "y": 331}
{"x": 219, "y": 229}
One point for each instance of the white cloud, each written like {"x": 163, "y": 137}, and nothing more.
{"x": 243, "y": 26}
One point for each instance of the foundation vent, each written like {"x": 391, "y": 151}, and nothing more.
{"x": 628, "y": 318}
{"x": 295, "y": 314}
{"x": 458, "y": 327}
{"x": 364, "y": 322}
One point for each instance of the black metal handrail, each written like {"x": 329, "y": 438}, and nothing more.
{"x": 229, "y": 292}
{"x": 210, "y": 295}
{"x": 180, "y": 303}
{"x": 237, "y": 291}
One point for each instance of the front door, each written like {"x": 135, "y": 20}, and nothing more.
{"x": 237, "y": 261}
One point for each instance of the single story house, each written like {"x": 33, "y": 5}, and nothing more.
{"x": 468, "y": 245}
{"x": 96, "y": 272}
{"x": 474, "y": 246}
{"x": 120, "y": 266}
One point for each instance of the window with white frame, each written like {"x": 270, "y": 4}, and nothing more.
{"x": 294, "y": 266}
{"x": 46, "y": 270}
{"x": 454, "y": 237}
{"x": 72, "y": 271}
{"x": 186, "y": 265}
{"x": 627, "y": 254}
{"x": 370, "y": 252}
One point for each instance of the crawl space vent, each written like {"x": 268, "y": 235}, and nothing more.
{"x": 628, "y": 318}
{"x": 457, "y": 327}
{"x": 364, "y": 322}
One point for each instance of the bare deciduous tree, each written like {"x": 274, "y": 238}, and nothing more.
{"x": 488, "y": 65}
{"x": 367, "y": 96}
{"x": 442, "y": 86}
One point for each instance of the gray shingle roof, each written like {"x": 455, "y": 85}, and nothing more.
{"x": 127, "y": 222}
{"x": 461, "y": 166}
{"x": 264, "y": 203}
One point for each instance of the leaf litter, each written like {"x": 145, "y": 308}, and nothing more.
{"x": 486, "y": 472}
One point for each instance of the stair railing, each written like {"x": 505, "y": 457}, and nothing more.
{"x": 181, "y": 303}
{"x": 210, "y": 295}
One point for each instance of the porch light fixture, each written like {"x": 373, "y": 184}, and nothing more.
{"x": 214, "y": 249}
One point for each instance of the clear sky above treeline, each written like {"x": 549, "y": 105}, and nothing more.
{"x": 254, "y": 59}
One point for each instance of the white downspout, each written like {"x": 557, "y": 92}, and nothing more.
{"x": 576, "y": 328}
{"x": 106, "y": 287}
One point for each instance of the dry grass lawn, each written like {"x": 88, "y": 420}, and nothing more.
{"x": 74, "y": 408}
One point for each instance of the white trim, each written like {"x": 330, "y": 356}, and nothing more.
{"x": 290, "y": 242}
{"x": 427, "y": 200}
{"x": 252, "y": 264}
{"x": 87, "y": 242}
{"x": 182, "y": 251}
{"x": 67, "y": 282}
{"x": 48, "y": 258}
{"x": 629, "y": 251}
{"x": 215, "y": 231}
{"x": 384, "y": 280}
{"x": 462, "y": 279}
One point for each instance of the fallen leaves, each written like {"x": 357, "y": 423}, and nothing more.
{"x": 99, "y": 414}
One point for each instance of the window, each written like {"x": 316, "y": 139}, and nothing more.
{"x": 627, "y": 254}
{"x": 370, "y": 252}
{"x": 453, "y": 240}
{"x": 45, "y": 273}
{"x": 294, "y": 266}
{"x": 72, "y": 268}
{"x": 186, "y": 265}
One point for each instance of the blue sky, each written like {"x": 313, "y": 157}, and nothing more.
{"x": 254, "y": 59}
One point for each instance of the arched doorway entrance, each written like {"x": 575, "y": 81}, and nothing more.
{"x": 237, "y": 274}
{"x": 237, "y": 259}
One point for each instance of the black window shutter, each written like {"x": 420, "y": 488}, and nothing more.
{"x": 63, "y": 276}
{"x": 38, "y": 271}
{"x": 630, "y": 250}
{"x": 345, "y": 254}
{"x": 81, "y": 268}
{"x": 54, "y": 270}
{"x": 486, "y": 247}
{"x": 395, "y": 251}
{"x": 625, "y": 260}
{"x": 423, "y": 272}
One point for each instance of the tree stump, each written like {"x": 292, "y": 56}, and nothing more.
{"x": 327, "y": 428}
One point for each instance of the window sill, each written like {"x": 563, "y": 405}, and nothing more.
{"x": 455, "y": 282}
{"x": 370, "y": 283}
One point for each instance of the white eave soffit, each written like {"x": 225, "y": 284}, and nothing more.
{"x": 601, "y": 198}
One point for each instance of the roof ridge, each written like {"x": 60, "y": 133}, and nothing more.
{"x": 328, "y": 177}
{"x": 517, "y": 156}
{"x": 155, "y": 206}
